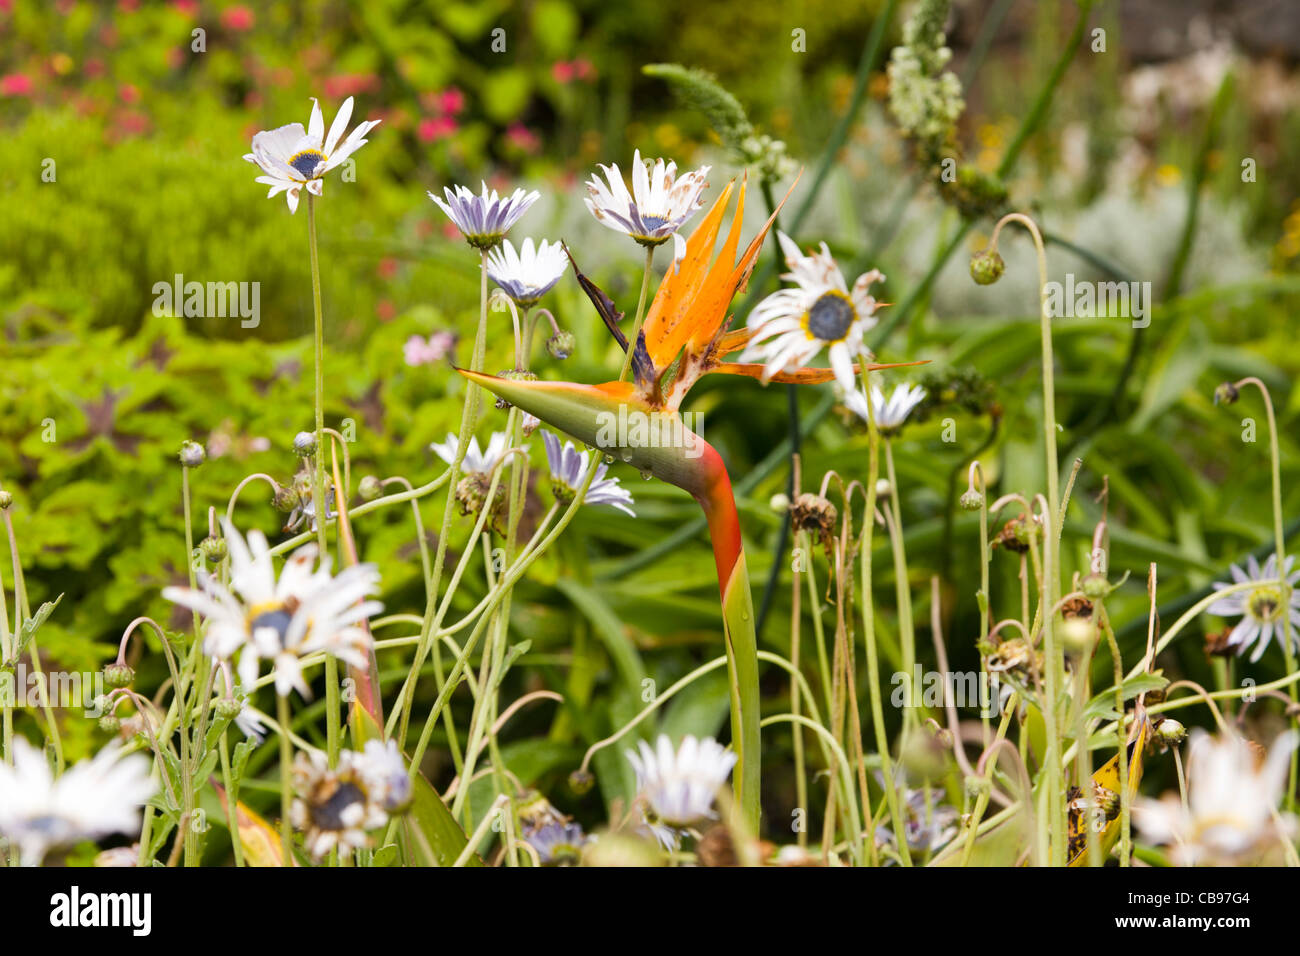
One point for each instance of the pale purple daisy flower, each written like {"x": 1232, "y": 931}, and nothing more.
{"x": 528, "y": 274}
{"x": 484, "y": 220}
{"x": 1260, "y": 608}
{"x": 568, "y": 465}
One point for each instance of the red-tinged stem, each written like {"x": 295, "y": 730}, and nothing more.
{"x": 719, "y": 504}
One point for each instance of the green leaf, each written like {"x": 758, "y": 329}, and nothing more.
{"x": 32, "y": 623}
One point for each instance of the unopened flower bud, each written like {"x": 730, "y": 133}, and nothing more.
{"x": 6, "y": 499}
{"x": 228, "y": 708}
{"x": 581, "y": 781}
{"x": 286, "y": 499}
{"x": 883, "y": 488}
{"x": 304, "y": 444}
{"x": 1226, "y": 394}
{"x": 987, "y": 267}
{"x": 1078, "y": 635}
{"x": 1171, "y": 731}
{"x": 1094, "y": 586}
{"x": 213, "y": 548}
{"x": 118, "y": 675}
{"x": 110, "y": 723}
{"x": 971, "y": 500}
{"x": 192, "y": 454}
{"x": 561, "y": 344}
{"x": 370, "y": 488}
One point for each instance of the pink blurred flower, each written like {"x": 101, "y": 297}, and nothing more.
{"x": 15, "y": 84}
{"x": 128, "y": 6}
{"x": 451, "y": 101}
{"x": 387, "y": 268}
{"x": 350, "y": 84}
{"x": 385, "y": 310}
{"x": 521, "y": 137}
{"x": 237, "y": 18}
{"x": 419, "y": 351}
{"x": 566, "y": 71}
{"x": 189, "y": 8}
{"x": 128, "y": 93}
{"x": 434, "y": 128}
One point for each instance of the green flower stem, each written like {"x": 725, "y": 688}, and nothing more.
{"x": 369, "y": 506}
{"x": 321, "y": 506}
{"x": 640, "y": 312}
{"x": 869, "y": 628}
{"x": 906, "y": 626}
{"x": 485, "y": 710}
{"x": 468, "y": 418}
{"x": 507, "y": 580}
{"x": 286, "y": 764}
{"x": 1279, "y": 543}
{"x": 232, "y": 807}
{"x": 815, "y": 611}
{"x": 22, "y": 611}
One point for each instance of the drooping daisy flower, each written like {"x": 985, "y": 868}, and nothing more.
{"x": 94, "y": 798}
{"x": 679, "y": 786}
{"x": 484, "y": 220}
{"x": 1260, "y": 608}
{"x": 659, "y": 204}
{"x": 891, "y": 412}
{"x": 334, "y": 808}
{"x": 793, "y": 325}
{"x": 261, "y": 618}
{"x": 928, "y": 822}
{"x": 381, "y": 763}
{"x": 1231, "y": 798}
{"x": 568, "y": 465}
{"x": 557, "y": 844}
{"x": 476, "y": 460}
{"x": 292, "y": 157}
{"x": 528, "y": 274}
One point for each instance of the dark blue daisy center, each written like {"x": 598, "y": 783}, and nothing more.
{"x": 327, "y": 814}
{"x": 277, "y": 620}
{"x": 1264, "y": 603}
{"x": 831, "y": 316}
{"x": 305, "y": 161}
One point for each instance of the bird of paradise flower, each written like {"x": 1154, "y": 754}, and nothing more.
{"x": 686, "y": 330}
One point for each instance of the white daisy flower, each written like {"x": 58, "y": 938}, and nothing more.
{"x": 251, "y": 724}
{"x": 484, "y": 220}
{"x": 568, "y": 465}
{"x": 1260, "y": 608}
{"x": 382, "y": 765}
{"x": 528, "y": 274}
{"x": 92, "y": 799}
{"x": 891, "y": 412}
{"x": 477, "y": 461}
{"x": 680, "y": 786}
{"x": 1231, "y": 798}
{"x": 262, "y": 618}
{"x": 793, "y": 325}
{"x": 658, "y": 206}
{"x": 292, "y": 157}
{"x": 334, "y": 808}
